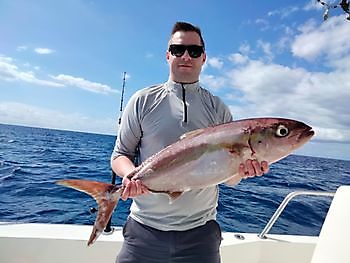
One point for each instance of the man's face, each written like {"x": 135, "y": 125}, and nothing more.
{"x": 185, "y": 69}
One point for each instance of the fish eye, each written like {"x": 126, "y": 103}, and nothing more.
{"x": 282, "y": 131}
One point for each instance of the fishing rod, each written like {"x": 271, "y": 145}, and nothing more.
{"x": 121, "y": 101}
{"x": 109, "y": 229}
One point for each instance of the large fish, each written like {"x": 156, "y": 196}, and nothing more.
{"x": 200, "y": 159}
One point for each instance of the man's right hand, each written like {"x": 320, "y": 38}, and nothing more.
{"x": 132, "y": 188}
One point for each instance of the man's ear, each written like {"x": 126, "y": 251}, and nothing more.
{"x": 204, "y": 58}
{"x": 167, "y": 55}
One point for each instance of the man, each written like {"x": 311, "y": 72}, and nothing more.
{"x": 184, "y": 230}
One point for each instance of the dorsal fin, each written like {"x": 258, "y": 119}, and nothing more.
{"x": 191, "y": 134}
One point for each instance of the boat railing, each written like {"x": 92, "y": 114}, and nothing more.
{"x": 284, "y": 203}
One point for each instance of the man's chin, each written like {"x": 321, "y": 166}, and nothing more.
{"x": 185, "y": 68}
{"x": 186, "y": 71}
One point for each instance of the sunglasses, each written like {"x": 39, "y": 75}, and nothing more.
{"x": 194, "y": 51}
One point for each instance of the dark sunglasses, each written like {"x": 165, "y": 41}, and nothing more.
{"x": 194, "y": 51}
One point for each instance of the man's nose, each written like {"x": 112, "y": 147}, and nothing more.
{"x": 186, "y": 56}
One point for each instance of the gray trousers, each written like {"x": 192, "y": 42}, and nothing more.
{"x": 144, "y": 244}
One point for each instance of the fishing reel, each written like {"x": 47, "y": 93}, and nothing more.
{"x": 92, "y": 210}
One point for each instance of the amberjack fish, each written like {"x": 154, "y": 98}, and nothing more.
{"x": 201, "y": 158}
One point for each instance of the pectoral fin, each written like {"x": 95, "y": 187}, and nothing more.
{"x": 173, "y": 196}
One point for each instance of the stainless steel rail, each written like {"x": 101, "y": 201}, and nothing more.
{"x": 284, "y": 203}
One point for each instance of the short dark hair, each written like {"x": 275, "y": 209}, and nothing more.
{"x": 187, "y": 27}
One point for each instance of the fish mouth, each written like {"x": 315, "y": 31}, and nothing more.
{"x": 306, "y": 134}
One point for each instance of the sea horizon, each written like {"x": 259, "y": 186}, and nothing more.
{"x": 115, "y": 136}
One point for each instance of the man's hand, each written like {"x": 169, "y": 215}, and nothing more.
{"x": 132, "y": 188}
{"x": 253, "y": 168}
{"x": 250, "y": 168}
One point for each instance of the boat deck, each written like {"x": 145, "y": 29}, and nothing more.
{"x": 54, "y": 243}
{"x": 67, "y": 243}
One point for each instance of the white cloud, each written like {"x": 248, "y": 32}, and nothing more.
{"x": 21, "y": 48}
{"x": 28, "y": 115}
{"x": 238, "y": 58}
{"x": 330, "y": 40}
{"x": 215, "y": 62}
{"x": 266, "y": 48}
{"x": 283, "y": 43}
{"x": 312, "y": 5}
{"x": 127, "y": 76}
{"x": 245, "y": 49}
{"x": 213, "y": 82}
{"x": 10, "y": 72}
{"x": 44, "y": 51}
{"x": 284, "y": 12}
{"x": 329, "y": 134}
{"x": 67, "y": 80}
{"x": 273, "y": 89}
{"x": 263, "y": 23}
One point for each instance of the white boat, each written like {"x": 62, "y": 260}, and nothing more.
{"x": 43, "y": 243}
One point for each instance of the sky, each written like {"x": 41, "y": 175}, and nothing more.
{"x": 62, "y": 62}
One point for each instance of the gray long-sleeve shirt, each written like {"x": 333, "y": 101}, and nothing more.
{"x": 154, "y": 118}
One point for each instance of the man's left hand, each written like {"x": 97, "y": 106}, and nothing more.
{"x": 252, "y": 168}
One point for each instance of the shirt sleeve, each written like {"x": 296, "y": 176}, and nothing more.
{"x": 129, "y": 133}
{"x": 223, "y": 112}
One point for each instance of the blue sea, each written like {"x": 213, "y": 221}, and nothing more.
{"x": 32, "y": 159}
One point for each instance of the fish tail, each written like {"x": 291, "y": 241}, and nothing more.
{"x": 106, "y": 196}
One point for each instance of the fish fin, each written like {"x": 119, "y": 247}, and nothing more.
{"x": 233, "y": 180}
{"x": 106, "y": 207}
{"x": 173, "y": 196}
{"x": 106, "y": 196}
{"x": 91, "y": 188}
{"x": 191, "y": 134}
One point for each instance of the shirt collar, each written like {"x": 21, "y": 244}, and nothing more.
{"x": 175, "y": 86}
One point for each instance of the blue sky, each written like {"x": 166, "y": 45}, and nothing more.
{"x": 62, "y": 62}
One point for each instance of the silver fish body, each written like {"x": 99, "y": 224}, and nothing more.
{"x": 212, "y": 155}
{"x": 200, "y": 159}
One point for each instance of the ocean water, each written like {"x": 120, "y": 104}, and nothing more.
{"x": 32, "y": 159}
